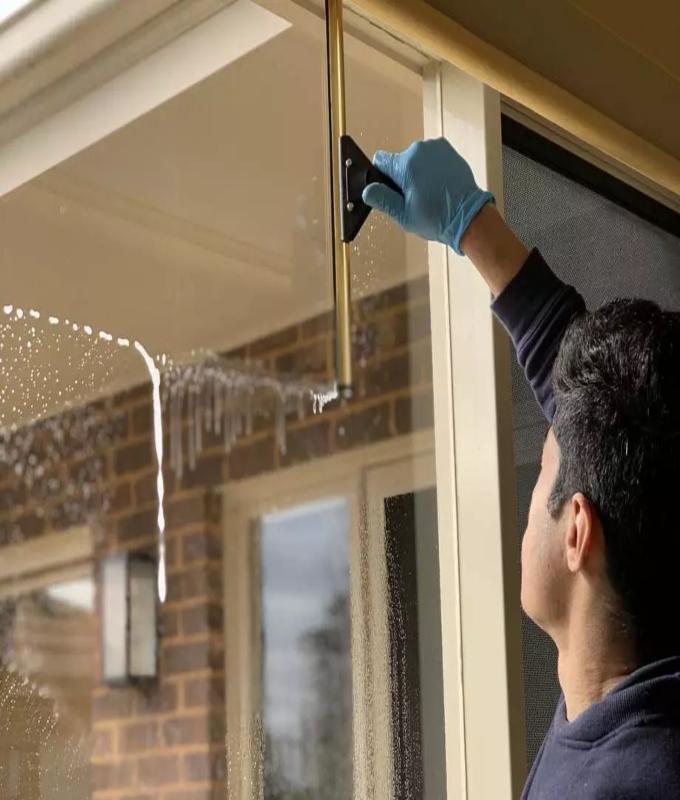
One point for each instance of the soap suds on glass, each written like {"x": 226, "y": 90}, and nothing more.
{"x": 209, "y": 395}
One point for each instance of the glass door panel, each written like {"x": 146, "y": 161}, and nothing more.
{"x": 167, "y": 296}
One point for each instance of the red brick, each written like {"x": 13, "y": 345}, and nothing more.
{"x": 114, "y": 775}
{"x": 388, "y": 375}
{"x": 363, "y": 427}
{"x": 202, "y": 619}
{"x": 134, "y": 457}
{"x": 169, "y": 623}
{"x": 190, "y": 511}
{"x": 207, "y": 766}
{"x": 119, "y": 424}
{"x": 209, "y": 470}
{"x": 102, "y": 743}
{"x": 204, "y": 581}
{"x": 88, "y": 469}
{"x": 390, "y": 298}
{"x": 12, "y": 498}
{"x": 186, "y": 730}
{"x": 158, "y": 770}
{"x": 138, "y": 736}
{"x": 180, "y": 658}
{"x": 252, "y": 459}
{"x": 138, "y": 524}
{"x": 120, "y": 498}
{"x": 200, "y": 546}
{"x": 390, "y": 331}
{"x": 312, "y": 359}
{"x": 142, "y": 418}
{"x": 204, "y": 692}
{"x": 306, "y": 442}
{"x": 158, "y": 699}
{"x": 146, "y": 490}
{"x": 30, "y": 525}
{"x": 115, "y": 704}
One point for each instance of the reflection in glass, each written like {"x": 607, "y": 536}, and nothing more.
{"x": 307, "y": 690}
{"x": 47, "y": 675}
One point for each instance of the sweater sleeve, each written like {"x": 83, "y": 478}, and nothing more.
{"x": 535, "y": 308}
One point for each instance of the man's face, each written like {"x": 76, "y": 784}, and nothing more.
{"x": 544, "y": 569}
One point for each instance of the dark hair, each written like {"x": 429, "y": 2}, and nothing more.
{"x": 617, "y": 423}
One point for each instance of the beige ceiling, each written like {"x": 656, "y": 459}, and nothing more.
{"x": 203, "y": 223}
{"x": 620, "y": 56}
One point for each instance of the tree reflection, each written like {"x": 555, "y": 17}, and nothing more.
{"x": 324, "y": 750}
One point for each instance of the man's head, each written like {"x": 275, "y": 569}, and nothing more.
{"x": 603, "y": 522}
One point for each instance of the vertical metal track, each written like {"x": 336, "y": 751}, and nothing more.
{"x": 341, "y": 269}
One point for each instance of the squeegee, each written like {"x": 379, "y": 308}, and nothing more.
{"x": 351, "y": 171}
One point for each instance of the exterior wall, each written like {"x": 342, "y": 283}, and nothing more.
{"x": 168, "y": 742}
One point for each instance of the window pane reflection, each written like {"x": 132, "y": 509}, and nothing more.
{"x": 307, "y": 687}
{"x": 48, "y": 648}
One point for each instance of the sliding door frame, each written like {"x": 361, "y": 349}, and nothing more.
{"x": 481, "y": 632}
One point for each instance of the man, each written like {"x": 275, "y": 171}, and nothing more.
{"x": 601, "y": 552}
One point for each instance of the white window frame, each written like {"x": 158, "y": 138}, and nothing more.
{"x": 362, "y": 477}
{"x": 53, "y": 558}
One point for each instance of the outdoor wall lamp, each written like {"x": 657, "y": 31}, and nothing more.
{"x": 129, "y": 619}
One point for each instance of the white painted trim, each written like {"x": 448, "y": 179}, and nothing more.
{"x": 447, "y": 519}
{"x": 61, "y": 49}
{"x": 480, "y": 596}
{"x": 36, "y": 563}
{"x": 175, "y": 67}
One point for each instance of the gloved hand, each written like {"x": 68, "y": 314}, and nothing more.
{"x": 440, "y": 198}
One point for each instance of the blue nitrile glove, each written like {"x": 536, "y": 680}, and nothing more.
{"x": 440, "y": 198}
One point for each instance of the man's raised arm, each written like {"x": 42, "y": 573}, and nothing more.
{"x": 441, "y": 202}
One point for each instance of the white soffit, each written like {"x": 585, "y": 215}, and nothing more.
{"x": 212, "y": 45}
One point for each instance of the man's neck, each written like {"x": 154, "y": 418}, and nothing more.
{"x": 591, "y": 662}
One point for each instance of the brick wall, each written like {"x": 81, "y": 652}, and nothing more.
{"x": 167, "y": 742}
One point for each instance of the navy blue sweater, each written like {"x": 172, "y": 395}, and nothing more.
{"x": 626, "y": 746}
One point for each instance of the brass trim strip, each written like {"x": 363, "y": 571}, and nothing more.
{"x": 341, "y": 267}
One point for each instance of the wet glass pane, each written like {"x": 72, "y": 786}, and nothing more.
{"x": 167, "y": 297}
{"x": 48, "y": 640}
{"x": 306, "y": 652}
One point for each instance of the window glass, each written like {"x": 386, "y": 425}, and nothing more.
{"x": 306, "y": 652}
{"x": 48, "y": 641}
{"x": 167, "y": 294}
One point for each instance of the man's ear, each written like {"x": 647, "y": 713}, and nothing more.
{"x": 583, "y": 538}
